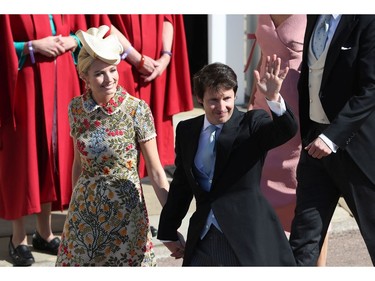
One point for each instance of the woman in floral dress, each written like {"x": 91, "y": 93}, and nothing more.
{"x": 107, "y": 222}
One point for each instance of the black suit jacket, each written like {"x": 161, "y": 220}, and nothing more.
{"x": 244, "y": 215}
{"x": 347, "y": 91}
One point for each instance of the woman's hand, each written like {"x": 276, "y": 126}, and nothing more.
{"x": 177, "y": 248}
{"x": 148, "y": 67}
{"x": 160, "y": 66}
{"x": 69, "y": 43}
{"x": 51, "y": 46}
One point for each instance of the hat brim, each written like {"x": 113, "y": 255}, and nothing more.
{"x": 106, "y": 49}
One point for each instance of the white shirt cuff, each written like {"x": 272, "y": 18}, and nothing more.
{"x": 328, "y": 142}
{"x": 277, "y": 107}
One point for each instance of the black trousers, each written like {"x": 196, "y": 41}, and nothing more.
{"x": 214, "y": 250}
{"x": 320, "y": 185}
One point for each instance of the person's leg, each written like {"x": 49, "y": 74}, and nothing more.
{"x": 359, "y": 195}
{"x": 43, "y": 238}
{"x": 19, "y": 236}
{"x": 214, "y": 250}
{"x": 43, "y": 222}
{"x": 18, "y": 249}
{"x": 285, "y": 214}
{"x": 317, "y": 198}
{"x": 322, "y": 260}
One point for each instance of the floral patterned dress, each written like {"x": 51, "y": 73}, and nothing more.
{"x": 107, "y": 222}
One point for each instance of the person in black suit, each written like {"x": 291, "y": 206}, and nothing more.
{"x": 233, "y": 223}
{"x": 337, "y": 124}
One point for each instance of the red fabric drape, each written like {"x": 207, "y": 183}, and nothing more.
{"x": 29, "y": 174}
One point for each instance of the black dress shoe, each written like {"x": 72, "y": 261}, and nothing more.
{"x": 154, "y": 231}
{"x": 40, "y": 244}
{"x": 21, "y": 255}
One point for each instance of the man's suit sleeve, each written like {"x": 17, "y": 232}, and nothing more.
{"x": 179, "y": 197}
{"x": 275, "y": 131}
{"x": 361, "y": 102}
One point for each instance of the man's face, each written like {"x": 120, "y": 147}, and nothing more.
{"x": 218, "y": 106}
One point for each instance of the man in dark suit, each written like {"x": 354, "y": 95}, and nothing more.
{"x": 337, "y": 122}
{"x": 233, "y": 224}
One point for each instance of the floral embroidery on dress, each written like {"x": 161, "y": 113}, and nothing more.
{"x": 107, "y": 223}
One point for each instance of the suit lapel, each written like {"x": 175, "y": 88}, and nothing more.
{"x": 225, "y": 141}
{"x": 343, "y": 31}
{"x": 311, "y": 21}
{"x": 190, "y": 142}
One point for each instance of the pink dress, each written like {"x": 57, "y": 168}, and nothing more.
{"x": 279, "y": 172}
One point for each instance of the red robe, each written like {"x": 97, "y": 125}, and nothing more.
{"x": 169, "y": 93}
{"x": 30, "y": 173}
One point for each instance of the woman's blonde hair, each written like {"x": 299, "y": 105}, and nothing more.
{"x": 84, "y": 62}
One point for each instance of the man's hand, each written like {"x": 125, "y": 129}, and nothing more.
{"x": 318, "y": 149}
{"x": 270, "y": 84}
{"x": 177, "y": 248}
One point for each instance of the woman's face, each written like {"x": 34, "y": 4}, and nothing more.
{"x": 102, "y": 78}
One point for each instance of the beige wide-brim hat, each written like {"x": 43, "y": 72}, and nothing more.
{"x": 108, "y": 49}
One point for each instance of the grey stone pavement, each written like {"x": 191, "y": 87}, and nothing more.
{"x": 345, "y": 245}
